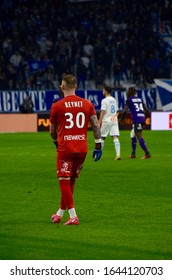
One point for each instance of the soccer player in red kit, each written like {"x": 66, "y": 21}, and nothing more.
{"x": 69, "y": 118}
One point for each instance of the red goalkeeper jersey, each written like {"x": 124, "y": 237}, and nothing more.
{"x": 71, "y": 116}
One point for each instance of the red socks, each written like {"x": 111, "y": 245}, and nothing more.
{"x": 67, "y": 187}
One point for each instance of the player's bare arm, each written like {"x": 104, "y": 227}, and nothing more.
{"x": 147, "y": 112}
{"x": 123, "y": 114}
{"x": 53, "y": 133}
{"x": 95, "y": 126}
{"x": 97, "y": 153}
{"x": 102, "y": 113}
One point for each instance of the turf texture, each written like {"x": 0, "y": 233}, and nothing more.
{"x": 124, "y": 207}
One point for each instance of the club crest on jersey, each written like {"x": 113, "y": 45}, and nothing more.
{"x": 113, "y": 118}
{"x": 65, "y": 166}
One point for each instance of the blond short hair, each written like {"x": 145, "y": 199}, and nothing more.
{"x": 70, "y": 81}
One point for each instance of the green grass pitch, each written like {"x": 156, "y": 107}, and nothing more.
{"x": 124, "y": 207}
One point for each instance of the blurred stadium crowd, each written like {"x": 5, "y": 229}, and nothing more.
{"x": 115, "y": 41}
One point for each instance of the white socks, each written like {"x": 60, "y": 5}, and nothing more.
{"x": 102, "y": 144}
{"x": 60, "y": 212}
{"x": 72, "y": 213}
{"x": 117, "y": 146}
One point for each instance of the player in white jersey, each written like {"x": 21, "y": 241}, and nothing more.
{"x": 109, "y": 120}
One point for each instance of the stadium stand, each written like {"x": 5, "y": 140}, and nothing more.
{"x": 42, "y": 40}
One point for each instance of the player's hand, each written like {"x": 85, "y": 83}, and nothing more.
{"x": 97, "y": 153}
{"x": 55, "y": 143}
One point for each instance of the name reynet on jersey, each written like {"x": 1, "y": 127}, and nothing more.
{"x": 71, "y": 104}
{"x": 74, "y": 137}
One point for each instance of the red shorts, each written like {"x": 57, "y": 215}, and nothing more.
{"x": 69, "y": 164}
